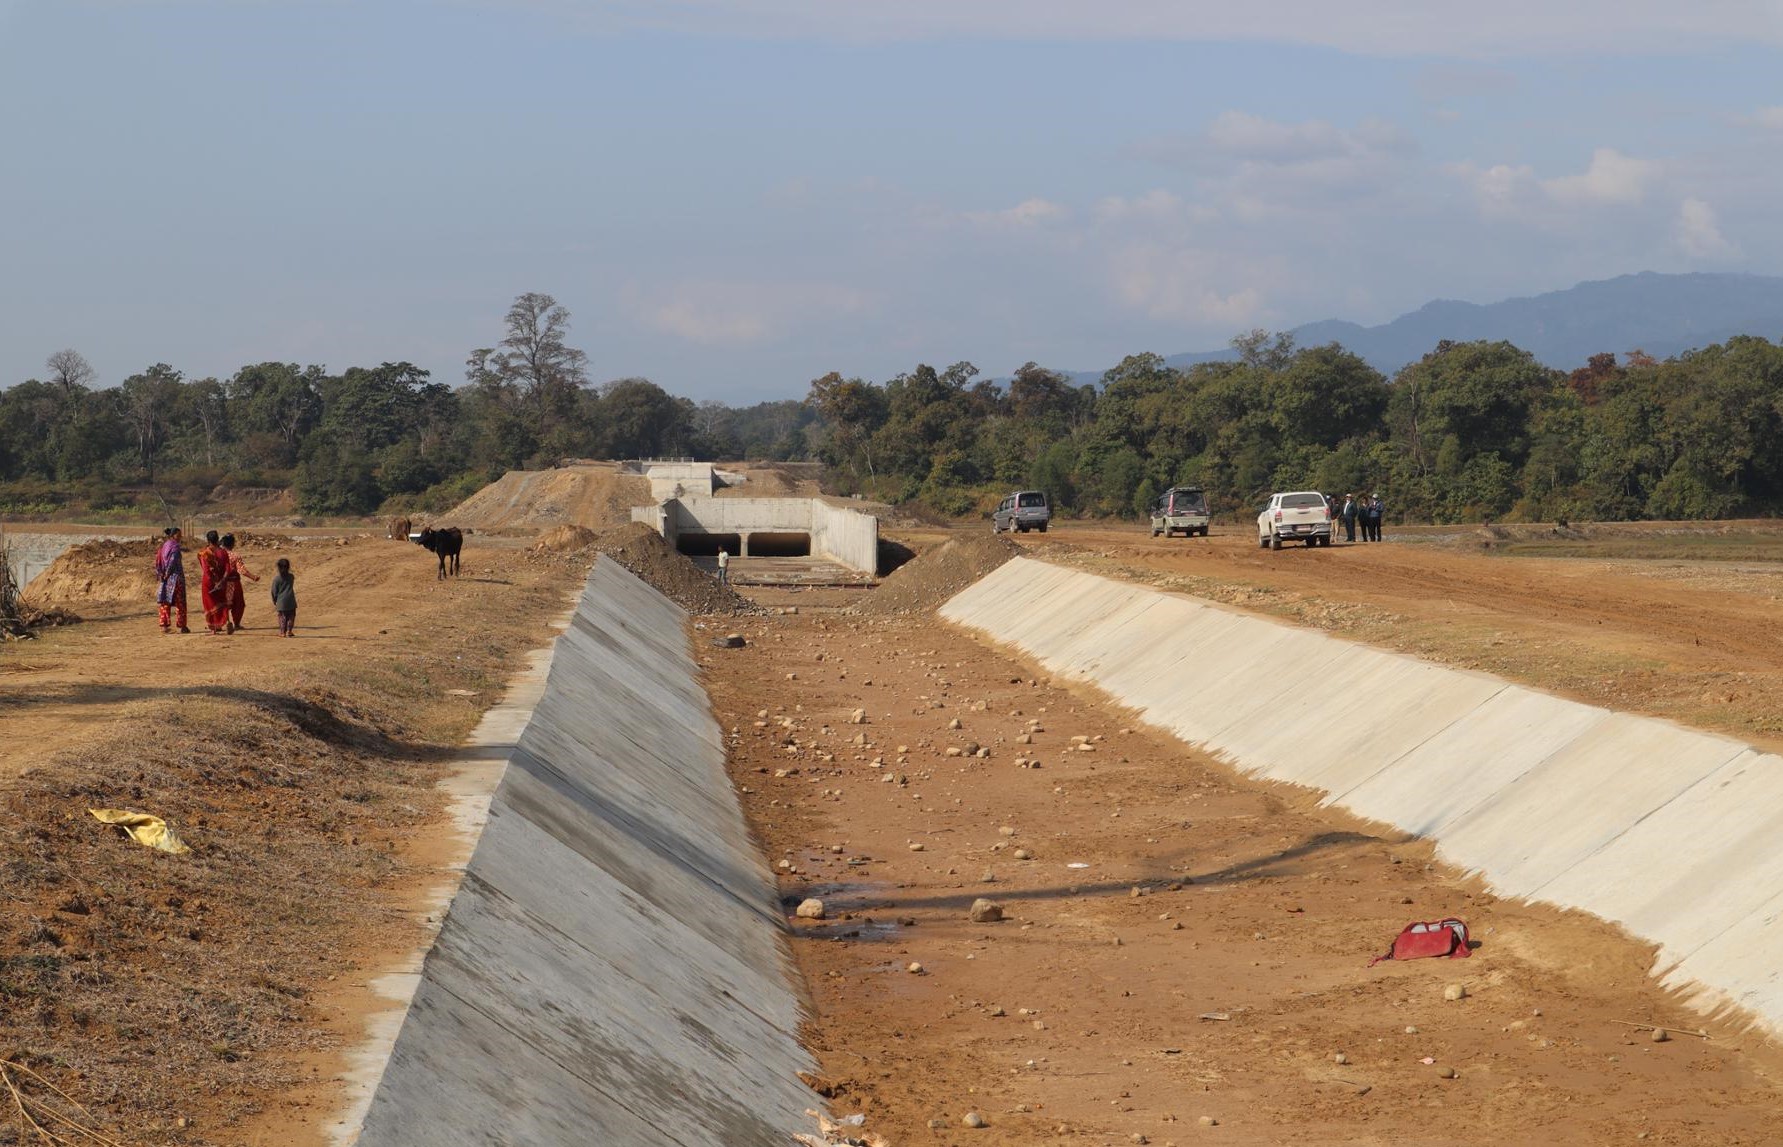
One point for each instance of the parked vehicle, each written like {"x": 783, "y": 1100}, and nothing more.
{"x": 1301, "y": 514}
{"x": 1181, "y": 508}
{"x": 1022, "y": 511}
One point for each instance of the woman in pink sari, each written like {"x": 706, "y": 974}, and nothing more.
{"x": 170, "y": 573}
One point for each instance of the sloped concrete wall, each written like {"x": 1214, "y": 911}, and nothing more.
{"x": 613, "y": 969}
{"x": 1674, "y": 833}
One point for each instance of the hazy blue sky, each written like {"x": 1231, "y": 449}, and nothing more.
{"x": 735, "y": 196}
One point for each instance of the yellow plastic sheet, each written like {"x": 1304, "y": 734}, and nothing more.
{"x": 143, "y": 828}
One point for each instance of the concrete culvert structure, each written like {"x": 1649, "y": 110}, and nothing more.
{"x": 767, "y": 527}
{"x": 779, "y": 545}
{"x": 708, "y": 545}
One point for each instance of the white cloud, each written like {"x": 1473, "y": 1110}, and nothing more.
{"x": 1501, "y": 186}
{"x": 1369, "y": 27}
{"x": 1611, "y": 178}
{"x": 739, "y": 313}
{"x": 1770, "y": 119}
{"x": 1026, "y": 214}
{"x": 1245, "y": 136}
{"x": 1183, "y": 286}
{"x": 1514, "y": 191}
{"x": 1237, "y": 138}
{"x": 1154, "y": 210}
{"x": 1247, "y": 166}
{"x": 1698, "y": 232}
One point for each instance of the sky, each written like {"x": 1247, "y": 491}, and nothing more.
{"x": 733, "y": 197}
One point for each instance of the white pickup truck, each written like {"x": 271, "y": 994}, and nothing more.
{"x": 1302, "y": 514}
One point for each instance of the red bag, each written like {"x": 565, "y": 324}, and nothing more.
{"x": 1428, "y": 938}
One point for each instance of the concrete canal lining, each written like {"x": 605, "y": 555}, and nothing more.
{"x": 1674, "y": 833}
{"x": 613, "y": 969}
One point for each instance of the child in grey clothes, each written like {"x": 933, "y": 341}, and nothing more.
{"x": 284, "y": 598}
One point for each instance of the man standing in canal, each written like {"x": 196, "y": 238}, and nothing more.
{"x": 170, "y": 573}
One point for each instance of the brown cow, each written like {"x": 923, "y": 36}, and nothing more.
{"x": 399, "y": 529}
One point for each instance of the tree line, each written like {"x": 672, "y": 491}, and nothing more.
{"x": 1473, "y": 430}
{"x": 365, "y": 438}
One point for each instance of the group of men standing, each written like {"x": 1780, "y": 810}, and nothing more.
{"x": 220, "y": 576}
{"x": 1360, "y": 511}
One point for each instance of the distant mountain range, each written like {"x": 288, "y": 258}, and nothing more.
{"x": 1663, "y": 315}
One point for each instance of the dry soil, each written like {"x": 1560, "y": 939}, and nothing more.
{"x": 1185, "y": 953}
{"x": 1180, "y": 944}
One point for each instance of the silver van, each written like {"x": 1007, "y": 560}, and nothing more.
{"x": 1180, "y": 508}
{"x": 1023, "y": 510}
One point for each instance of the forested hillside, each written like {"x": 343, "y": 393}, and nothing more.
{"x": 1471, "y": 430}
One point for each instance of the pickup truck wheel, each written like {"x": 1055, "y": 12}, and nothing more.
{"x": 1275, "y": 541}
{"x": 1043, "y": 527}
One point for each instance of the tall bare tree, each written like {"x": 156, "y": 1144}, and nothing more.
{"x": 70, "y": 370}
{"x": 536, "y": 359}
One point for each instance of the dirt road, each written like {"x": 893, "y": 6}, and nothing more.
{"x": 207, "y": 998}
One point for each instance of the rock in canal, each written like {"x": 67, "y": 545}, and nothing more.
{"x": 986, "y": 911}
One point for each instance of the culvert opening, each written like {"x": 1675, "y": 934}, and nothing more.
{"x": 708, "y": 545}
{"x": 788, "y": 545}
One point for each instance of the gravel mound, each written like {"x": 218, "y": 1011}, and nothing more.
{"x": 643, "y": 551}
{"x": 926, "y": 581}
{"x": 101, "y": 571}
{"x": 565, "y": 539}
{"x": 594, "y": 497}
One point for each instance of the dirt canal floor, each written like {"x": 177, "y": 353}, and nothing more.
{"x": 211, "y": 997}
{"x": 1184, "y": 955}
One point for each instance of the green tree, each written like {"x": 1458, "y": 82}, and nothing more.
{"x": 535, "y": 359}
{"x": 151, "y": 400}
{"x": 1479, "y": 394}
{"x": 335, "y": 476}
{"x": 275, "y": 404}
{"x": 640, "y": 419}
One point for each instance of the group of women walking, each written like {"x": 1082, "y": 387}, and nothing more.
{"x": 220, "y": 585}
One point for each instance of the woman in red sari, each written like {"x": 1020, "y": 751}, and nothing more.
{"x": 213, "y": 569}
{"x": 232, "y": 593}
